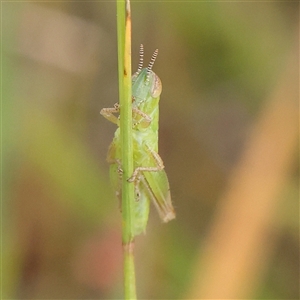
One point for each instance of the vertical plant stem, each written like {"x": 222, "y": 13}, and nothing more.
{"x": 124, "y": 62}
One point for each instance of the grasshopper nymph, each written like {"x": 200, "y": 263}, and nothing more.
{"x": 149, "y": 177}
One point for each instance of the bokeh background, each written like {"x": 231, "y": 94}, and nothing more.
{"x": 228, "y": 138}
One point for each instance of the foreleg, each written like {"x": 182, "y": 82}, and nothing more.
{"x": 145, "y": 119}
{"x": 108, "y": 113}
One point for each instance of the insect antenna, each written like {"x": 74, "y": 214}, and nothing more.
{"x": 141, "y": 62}
{"x": 151, "y": 63}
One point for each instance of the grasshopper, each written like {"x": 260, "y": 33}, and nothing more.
{"x": 149, "y": 177}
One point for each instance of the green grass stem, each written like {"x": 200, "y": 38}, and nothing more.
{"x": 124, "y": 70}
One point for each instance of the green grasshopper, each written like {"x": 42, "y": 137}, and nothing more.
{"x": 149, "y": 177}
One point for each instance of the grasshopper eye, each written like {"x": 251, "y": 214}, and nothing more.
{"x": 156, "y": 87}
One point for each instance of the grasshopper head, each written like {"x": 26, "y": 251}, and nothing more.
{"x": 145, "y": 83}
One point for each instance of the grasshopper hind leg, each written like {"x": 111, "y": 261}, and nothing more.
{"x": 159, "y": 165}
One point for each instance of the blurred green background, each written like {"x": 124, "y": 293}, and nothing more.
{"x": 224, "y": 66}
